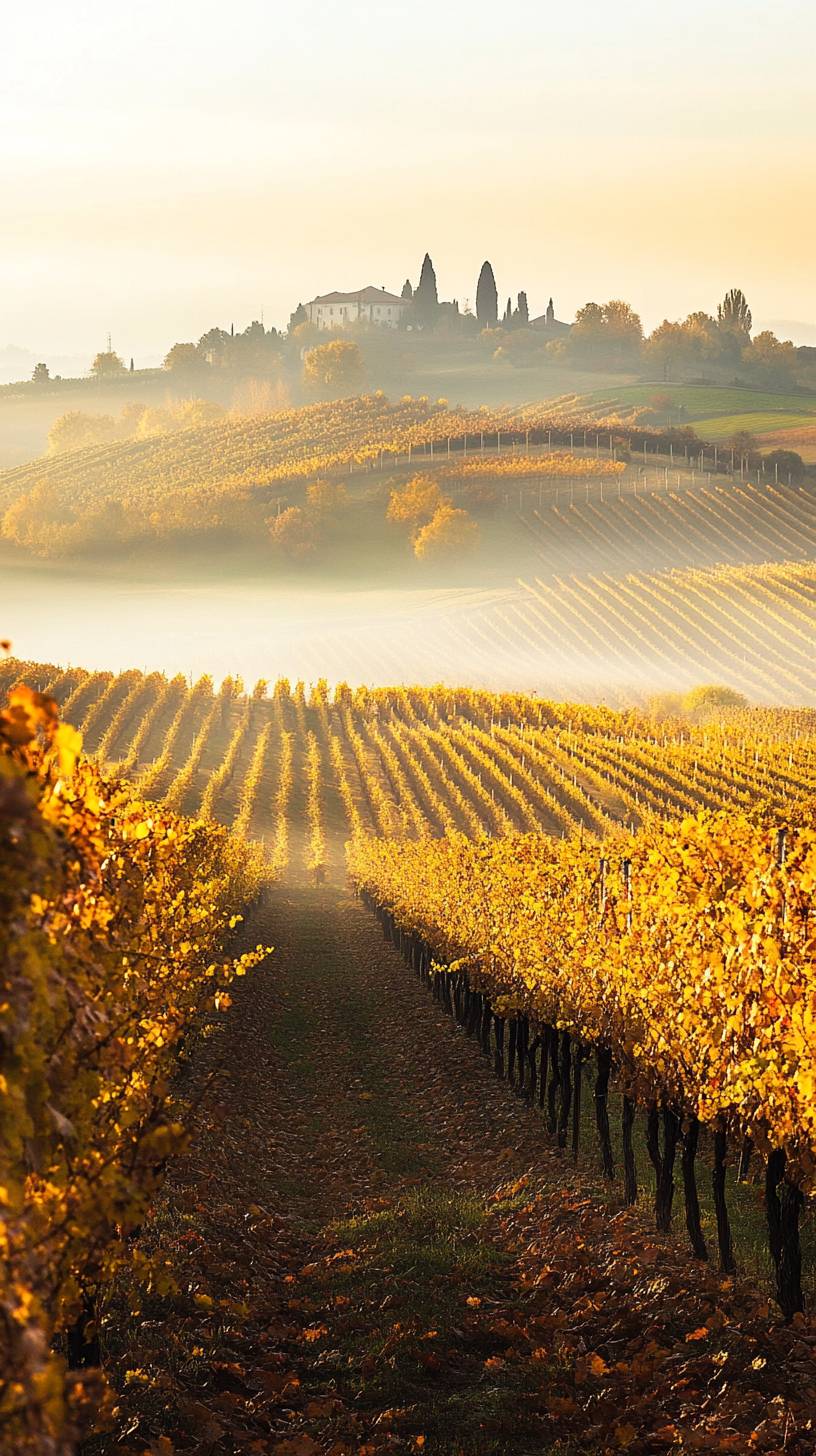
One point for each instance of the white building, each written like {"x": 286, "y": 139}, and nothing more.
{"x": 370, "y": 305}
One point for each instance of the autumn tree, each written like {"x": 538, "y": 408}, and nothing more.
{"x": 770, "y": 359}
{"x": 76, "y": 430}
{"x": 426, "y": 298}
{"x": 734, "y": 314}
{"x": 709, "y": 698}
{"x": 416, "y": 502}
{"x": 41, "y": 374}
{"x": 487, "y": 298}
{"x": 297, "y": 318}
{"x": 449, "y": 532}
{"x": 610, "y": 333}
{"x": 294, "y": 534}
{"x": 182, "y": 356}
{"x": 326, "y": 498}
{"x": 337, "y": 365}
{"x": 106, "y": 364}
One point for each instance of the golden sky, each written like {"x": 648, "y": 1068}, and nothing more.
{"x": 169, "y": 166}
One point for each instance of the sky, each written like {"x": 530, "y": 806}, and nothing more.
{"x": 175, "y": 164}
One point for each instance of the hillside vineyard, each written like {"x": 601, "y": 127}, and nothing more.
{"x": 303, "y": 771}
{"x": 584, "y": 882}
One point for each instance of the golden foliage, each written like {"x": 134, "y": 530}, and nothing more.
{"x": 113, "y": 914}
{"x": 449, "y": 532}
{"x": 686, "y": 949}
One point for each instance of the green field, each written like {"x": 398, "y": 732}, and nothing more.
{"x": 704, "y": 401}
{"x": 757, "y": 422}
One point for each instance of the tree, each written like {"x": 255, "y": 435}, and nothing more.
{"x": 734, "y": 314}
{"x": 326, "y": 498}
{"x": 786, "y": 464}
{"x": 416, "y": 502}
{"x": 710, "y": 697}
{"x": 522, "y": 311}
{"x": 609, "y": 333}
{"x": 106, "y": 364}
{"x": 407, "y": 291}
{"x": 450, "y": 532}
{"x": 772, "y": 360}
{"x": 487, "y": 298}
{"x": 293, "y": 533}
{"x": 76, "y": 430}
{"x": 336, "y": 365}
{"x": 213, "y": 345}
{"x": 182, "y": 356}
{"x": 297, "y": 318}
{"x": 426, "y": 298}
{"x": 41, "y": 374}
{"x": 508, "y": 315}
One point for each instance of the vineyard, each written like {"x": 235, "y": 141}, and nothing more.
{"x": 303, "y": 771}
{"x": 616, "y": 910}
{"x": 224, "y": 476}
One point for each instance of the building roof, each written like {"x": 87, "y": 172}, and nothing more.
{"x": 365, "y": 295}
{"x": 555, "y": 326}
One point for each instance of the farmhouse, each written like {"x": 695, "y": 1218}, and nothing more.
{"x": 369, "y": 305}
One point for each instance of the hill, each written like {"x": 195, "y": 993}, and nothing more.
{"x": 779, "y": 419}
{"x": 228, "y": 476}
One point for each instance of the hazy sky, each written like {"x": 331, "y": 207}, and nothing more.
{"x": 171, "y": 164}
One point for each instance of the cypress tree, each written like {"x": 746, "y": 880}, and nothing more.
{"x": 523, "y": 312}
{"x": 487, "y": 298}
{"x": 407, "y": 290}
{"x": 426, "y": 298}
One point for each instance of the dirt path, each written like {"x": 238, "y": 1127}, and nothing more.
{"x": 374, "y": 1250}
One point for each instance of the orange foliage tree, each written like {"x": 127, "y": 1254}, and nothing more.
{"x": 449, "y": 532}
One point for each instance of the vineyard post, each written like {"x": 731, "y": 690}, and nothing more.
{"x": 498, "y": 1060}
{"x": 565, "y": 1087}
{"x": 629, "y": 1168}
{"x": 603, "y": 1058}
{"x": 552, "y": 1085}
{"x": 487, "y": 1022}
{"x": 577, "y": 1080}
{"x": 522, "y": 1045}
{"x": 511, "y": 1050}
{"x": 546, "y": 1038}
{"x": 690, "y": 1139}
{"x": 727, "y": 1264}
